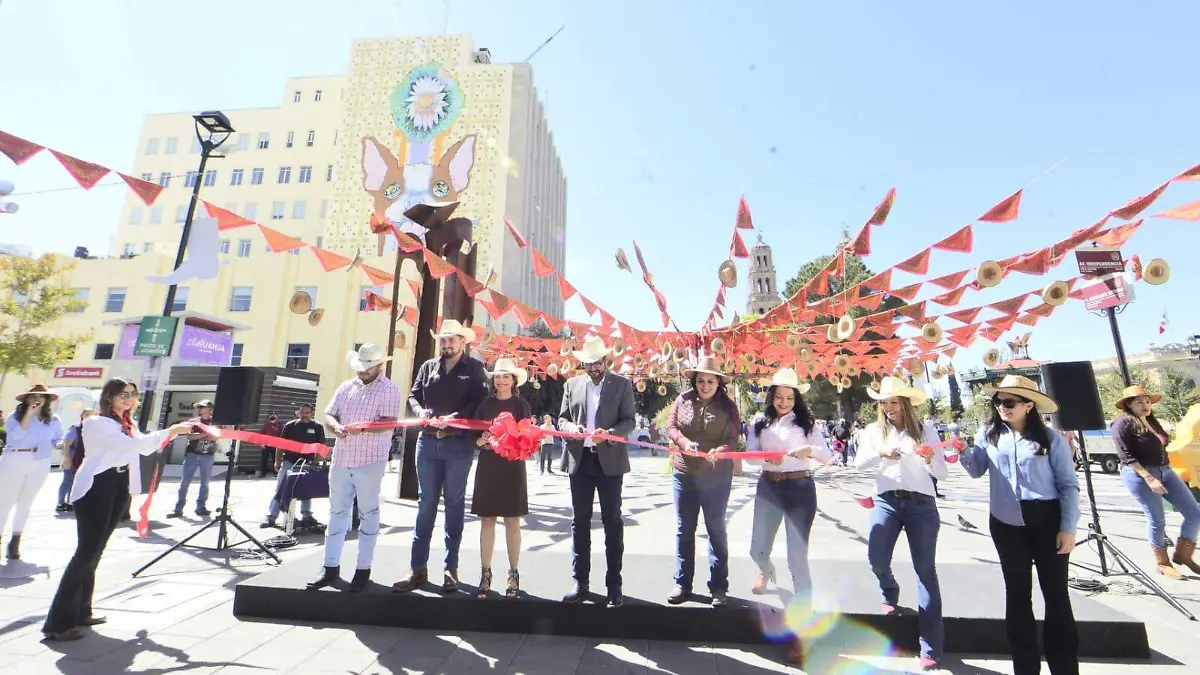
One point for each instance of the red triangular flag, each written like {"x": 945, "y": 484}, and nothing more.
{"x": 1034, "y": 263}
{"x": 950, "y": 280}
{"x": 862, "y": 243}
{"x": 86, "y": 174}
{"x": 819, "y": 285}
{"x": 144, "y": 189}
{"x": 377, "y": 277}
{"x": 525, "y": 314}
{"x": 521, "y": 242}
{"x": 961, "y": 241}
{"x": 491, "y": 308}
{"x": 1136, "y": 206}
{"x": 1191, "y": 174}
{"x": 880, "y": 282}
{"x": 555, "y": 324}
{"x": 915, "y": 311}
{"x": 18, "y": 149}
{"x": 471, "y": 286}
{"x": 1002, "y": 324}
{"x": 950, "y": 298}
{"x": 906, "y": 293}
{"x": 884, "y": 208}
{"x": 438, "y": 267}
{"x": 279, "y": 242}
{"x": 329, "y": 260}
{"x": 1042, "y": 310}
{"x": 588, "y": 304}
{"x": 918, "y": 264}
{"x": 1117, "y": 236}
{"x": 1011, "y": 305}
{"x": 541, "y": 266}
{"x": 1005, "y": 211}
{"x": 502, "y": 302}
{"x": 1028, "y": 319}
{"x": 737, "y": 248}
{"x": 406, "y": 242}
{"x": 565, "y": 290}
{"x": 226, "y": 220}
{"x": 1186, "y": 212}
{"x": 743, "y": 215}
{"x": 965, "y": 315}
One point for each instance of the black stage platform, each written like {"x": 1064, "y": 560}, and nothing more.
{"x": 972, "y": 597}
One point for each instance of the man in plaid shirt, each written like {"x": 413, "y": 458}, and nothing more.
{"x": 359, "y": 461}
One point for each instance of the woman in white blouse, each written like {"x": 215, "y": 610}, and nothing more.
{"x": 897, "y": 447}
{"x": 33, "y": 434}
{"x": 786, "y": 491}
{"x": 103, "y": 484}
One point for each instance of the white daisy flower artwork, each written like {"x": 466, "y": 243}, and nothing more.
{"x": 427, "y": 103}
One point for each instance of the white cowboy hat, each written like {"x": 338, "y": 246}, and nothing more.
{"x": 709, "y": 365}
{"x": 787, "y": 377}
{"x": 368, "y": 356}
{"x": 453, "y": 327}
{"x": 1028, "y": 390}
{"x": 593, "y": 350}
{"x": 893, "y": 386}
{"x": 507, "y": 367}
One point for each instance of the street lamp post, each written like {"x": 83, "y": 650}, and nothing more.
{"x": 212, "y": 130}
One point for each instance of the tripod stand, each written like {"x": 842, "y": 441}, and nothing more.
{"x": 222, "y": 522}
{"x": 1103, "y": 545}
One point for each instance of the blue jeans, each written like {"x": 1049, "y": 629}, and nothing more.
{"x": 1152, "y": 504}
{"x": 776, "y": 500}
{"x": 191, "y": 462}
{"x": 345, "y": 485}
{"x": 285, "y": 466}
{"x": 64, "y": 490}
{"x": 707, "y": 492}
{"x": 442, "y": 468}
{"x": 918, "y": 517}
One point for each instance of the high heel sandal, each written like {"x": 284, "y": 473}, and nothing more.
{"x": 514, "y": 584}
{"x": 485, "y": 583}
{"x": 760, "y": 584}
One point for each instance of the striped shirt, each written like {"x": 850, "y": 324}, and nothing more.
{"x": 355, "y": 403}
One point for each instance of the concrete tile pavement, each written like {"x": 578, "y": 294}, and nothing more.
{"x": 178, "y": 617}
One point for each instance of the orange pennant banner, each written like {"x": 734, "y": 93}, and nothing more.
{"x": 279, "y": 242}
{"x": 885, "y": 207}
{"x": 84, "y": 173}
{"x": 144, "y": 189}
{"x": 1186, "y": 212}
{"x": 1005, "y": 211}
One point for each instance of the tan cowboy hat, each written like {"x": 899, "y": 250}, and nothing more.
{"x": 301, "y": 302}
{"x": 787, "y": 377}
{"x": 1027, "y": 389}
{"x": 368, "y": 356}
{"x": 893, "y": 386}
{"x": 1136, "y": 391}
{"x": 37, "y": 389}
{"x": 454, "y": 327}
{"x": 315, "y": 316}
{"x": 507, "y": 367}
{"x": 709, "y": 365}
{"x": 593, "y": 350}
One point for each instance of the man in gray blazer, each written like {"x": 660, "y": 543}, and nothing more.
{"x": 598, "y": 401}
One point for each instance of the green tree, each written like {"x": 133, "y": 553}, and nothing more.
{"x": 36, "y": 296}
{"x": 823, "y": 399}
{"x": 956, "y": 404}
{"x": 1110, "y": 384}
{"x": 1178, "y": 391}
{"x": 545, "y": 398}
{"x": 934, "y": 409}
{"x": 650, "y": 403}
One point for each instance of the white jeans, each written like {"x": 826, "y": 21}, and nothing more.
{"x": 21, "y": 477}
{"x": 344, "y": 485}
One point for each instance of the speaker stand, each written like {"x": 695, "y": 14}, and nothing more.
{"x": 1104, "y": 545}
{"x": 222, "y": 522}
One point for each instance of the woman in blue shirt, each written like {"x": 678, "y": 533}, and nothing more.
{"x": 25, "y": 462}
{"x": 1034, "y": 513}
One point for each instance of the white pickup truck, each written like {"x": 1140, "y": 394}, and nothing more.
{"x": 1100, "y": 450}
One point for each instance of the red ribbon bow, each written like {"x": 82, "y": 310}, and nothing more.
{"x": 513, "y": 440}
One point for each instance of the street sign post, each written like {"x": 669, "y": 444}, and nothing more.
{"x": 155, "y": 336}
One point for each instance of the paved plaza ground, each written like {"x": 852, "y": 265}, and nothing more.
{"x": 177, "y": 617}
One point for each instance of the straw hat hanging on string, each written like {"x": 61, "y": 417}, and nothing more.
{"x": 301, "y": 303}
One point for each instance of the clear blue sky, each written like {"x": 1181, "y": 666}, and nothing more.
{"x": 665, "y": 112}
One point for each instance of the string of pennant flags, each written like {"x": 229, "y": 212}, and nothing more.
{"x": 832, "y": 344}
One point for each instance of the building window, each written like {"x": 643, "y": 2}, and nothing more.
{"x": 239, "y": 299}
{"x": 291, "y": 136}
{"x": 115, "y": 301}
{"x": 127, "y": 252}
{"x": 243, "y": 142}
{"x": 243, "y": 248}
{"x": 103, "y": 352}
{"x": 181, "y": 213}
{"x": 152, "y": 146}
{"x": 329, "y": 173}
{"x": 296, "y": 97}
{"x": 285, "y": 174}
{"x": 135, "y": 216}
{"x": 299, "y": 210}
{"x": 235, "y": 356}
{"x": 305, "y": 174}
{"x": 148, "y": 177}
{"x": 81, "y": 294}
{"x": 164, "y": 178}
{"x": 320, "y": 240}
{"x": 236, "y": 177}
{"x": 147, "y": 247}
{"x": 264, "y": 141}
{"x": 189, "y": 180}
{"x": 317, "y": 96}
{"x": 210, "y": 178}
{"x": 224, "y": 246}
{"x": 256, "y": 176}
{"x": 277, "y": 210}
{"x": 312, "y": 137}
{"x": 155, "y": 215}
{"x": 172, "y": 145}
{"x": 324, "y": 208}
{"x": 312, "y": 292}
{"x": 297, "y": 356}
{"x": 179, "y": 304}
{"x": 251, "y": 211}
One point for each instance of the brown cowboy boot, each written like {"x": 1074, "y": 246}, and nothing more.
{"x": 1164, "y": 564}
{"x": 1184, "y": 548}
{"x": 415, "y": 580}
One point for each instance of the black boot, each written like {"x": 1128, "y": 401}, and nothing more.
{"x": 360, "y": 580}
{"x": 327, "y": 578}
{"x": 14, "y": 547}
{"x": 577, "y": 594}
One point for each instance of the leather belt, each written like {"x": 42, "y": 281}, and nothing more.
{"x": 19, "y": 450}
{"x": 779, "y": 476}
{"x": 907, "y": 494}
{"x": 442, "y": 433}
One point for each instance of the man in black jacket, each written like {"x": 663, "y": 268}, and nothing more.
{"x": 305, "y": 430}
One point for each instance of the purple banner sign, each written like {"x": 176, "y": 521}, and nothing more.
{"x": 128, "y": 338}
{"x": 207, "y": 347}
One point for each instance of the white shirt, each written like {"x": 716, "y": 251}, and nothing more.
{"x": 108, "y": 447}
{"x": 910, "y": 472}
{"x": 592, "y": 399}
{"x": 786, "y": 435}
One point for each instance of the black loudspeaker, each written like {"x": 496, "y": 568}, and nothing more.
{"x": 1073, "y": 386}
{"x": 239, "y": 395}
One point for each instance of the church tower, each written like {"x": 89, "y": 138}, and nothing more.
{"x": 764, "y": 290}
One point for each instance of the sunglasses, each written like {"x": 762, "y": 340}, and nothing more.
{"x": 1006, "y": 403}
{"x": 128, "y": 395}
